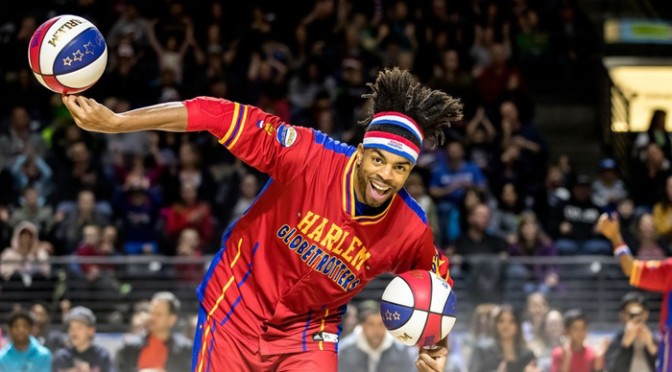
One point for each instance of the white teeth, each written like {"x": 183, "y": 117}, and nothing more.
{"x": 379, "y": 188}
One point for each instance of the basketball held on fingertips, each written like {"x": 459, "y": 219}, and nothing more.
{"x": 67, "y": 54}
{"x": 418, "y": 308}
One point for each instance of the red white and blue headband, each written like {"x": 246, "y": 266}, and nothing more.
{"x": 392, "y": 142}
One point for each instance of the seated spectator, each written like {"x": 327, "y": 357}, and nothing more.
{"x": 480, "y": 141}
{"x": 648, "y": 246}
{"x": 477, "y": 240}
{"x": 553, "y": 336}
{"x": 633, "y": 348}
{"x": 656, "y": 134}
{"x": 33, "y": 210}
{"x": 481, "y": 330}
{"x": 531, "y": 241}
{"x": 504, "y": 222}
{"x": 189, "y": 247}
{"x": 81, "y": 172}
{"x": 662, "y": 213}
{"x": 509, "y": 352}
{"x": 30, "y": 169}
{"x": 138, "y": 210}
{"x": 24, "y": 353}
{"x": 416, "y": 188}
{"x": 189, "y": 212}
{"x": 82, "y": 354}
{"x": 575, "y": 221}
{"x": 52, "y": 338}
{"x": 608, "y": 190}
{"x": 451, "y": 176}
{"x": 575, "y": 355}
{"x": 161, "y": 348}
{"x": 249, "y": 188}
{"x": 21, "y": 134}
{"x": 628, "y": 222}
{"x": 25, "y": 263}
{"x": 375, "y": 349}
{"x": 69, "y": 231}
{"x": 535, "y": 312}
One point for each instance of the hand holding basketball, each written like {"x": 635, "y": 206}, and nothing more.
{"x": 91, "y": 115}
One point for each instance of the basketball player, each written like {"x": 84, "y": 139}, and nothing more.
{"x": 331, "y": 219}
{"x": 651, "y": 275}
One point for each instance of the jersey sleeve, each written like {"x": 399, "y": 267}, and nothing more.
{"x": 428, "y": 257}
{"x": 259, "y": 139}
{"x": 652, "y": 275}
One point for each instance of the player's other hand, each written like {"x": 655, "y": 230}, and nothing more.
{"x": 609, "y": 226}
{"x": 91, "y": 115}
{"x": 433, "y": 360}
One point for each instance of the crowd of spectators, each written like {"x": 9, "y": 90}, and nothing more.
{"x": 491, "y": 192}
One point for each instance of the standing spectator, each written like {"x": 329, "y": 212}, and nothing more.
{"x": 375, "y": 349}
{"x": 31, "y": 170}
{"x": 24, "y": 353}
{"x": 82, "y": 354}
{"x": 633, "y": 348}
{"x": 481, "y": 330}
{"x": 535, "y": 313}
{"x": 161, "y": 348}
{"x": 608, "y": 190}
{"x": 509, "y": 351}
{"x": 650, "y": 178}
{"x": 574, "y": 355}
{"x": 656, "y": 134}
{"x": 505, "y": 219}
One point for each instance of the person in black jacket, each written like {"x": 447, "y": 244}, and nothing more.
{"x": 161, "y": 348}
{"x": 633, "y": 348}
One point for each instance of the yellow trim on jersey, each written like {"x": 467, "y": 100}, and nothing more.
{"x": 636, "y": 273}
{"x": 237, "y": 253}
{"x": 221, "y": 296}
{"x": 345, "y": 179}
{"x": 242, "y": 127}
{"x": 326, "y": 313}
{"x": 205, "y": 337}
{"x": 236, "y": 109}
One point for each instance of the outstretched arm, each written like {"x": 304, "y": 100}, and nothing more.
{"x": 93, "y": 116}
{"x": 650, "y": 275}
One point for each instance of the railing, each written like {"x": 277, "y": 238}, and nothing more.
{"x": 594, "y": 284}
{"x": 614, "y": 106}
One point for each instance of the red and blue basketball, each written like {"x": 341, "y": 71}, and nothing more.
{"x": 418, "y": 308}
{"x": 67, "y": 54}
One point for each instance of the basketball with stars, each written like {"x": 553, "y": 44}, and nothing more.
{"x": 418, "y": 308}
{"x": 67, "y": 54}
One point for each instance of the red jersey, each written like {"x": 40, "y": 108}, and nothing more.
{"x": 291, "y": 263}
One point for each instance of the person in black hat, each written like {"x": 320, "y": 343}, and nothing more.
{"x": 633, "y": 348}
{"x": 82, "y": 354}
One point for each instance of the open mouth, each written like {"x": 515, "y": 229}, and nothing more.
{"x": 378, "y": 191}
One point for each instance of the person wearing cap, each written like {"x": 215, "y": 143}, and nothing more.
{"x": 24, "y": 353}
{"x": 332, "y": 218}
{"x": 608, "y": 189}
{"x": 82, "y": 354}
{"x": 650, "y": 275}
{"x": 633, "y": 348}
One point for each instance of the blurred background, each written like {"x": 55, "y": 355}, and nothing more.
{"x": 565, "y": 118}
